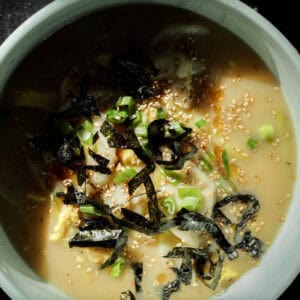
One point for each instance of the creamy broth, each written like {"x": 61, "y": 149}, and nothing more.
{"x": 231, "y": 89}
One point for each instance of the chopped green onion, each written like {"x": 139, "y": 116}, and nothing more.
{"x": 177, "y": 128}
{"x": 205, "y": 165}
{"x": 200, "y": 123}
{"x": 191, "y": 203}
{"x": 184, "y": 192}
{"x": 136, "y": 119}
{"x": 228, "y": 186}
{"x": 267, "y": 132}
{"x": 126, "y": 103}
{"x": 125, "y": 175}
{"x": 169, "y": 205}
{"x": 115, "y": 116}
{"x": 85, "y": 136}
{"x": 252, "y": 143}
{"x": 210, "y": 157}
{"x": 89, "y": 209}
{"x": 141, "y": 131}
{"x": 117, "y": 267}
{"x": 226, "y": 163}
{"x": 172, "y": 176}
{"x": 161, "y": 113}
{"x": 88, "y": 125}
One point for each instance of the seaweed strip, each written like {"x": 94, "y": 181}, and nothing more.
{"x": 81, "y": 175}
{"x": 215, "y": 271}
{"x": 100, "y": 169}
{"x": 250, "y": 244}
{"x": 72, "y": 196}
{"x": 119, "y": 247}
{"x": 187, "y": 254}
{"x": 249, "y": 214}
{"x": 95, "y": 137}
{"x": 135, "y": 72}
{"x": 180, "y": 252}
{"x": 138, "y": 179}
{"x": 96, "y": 238}
{"x": 95, "y": 224}
{"x": 114, "y": 138}
{"x": 135, "y": 221}
{"x": 171, "y": 287}
{"x": 157, "y": 137}
{"x": 127, "y": 295}
{"x": 101, "y": 161}
{"x": 101, "y": 208}
{"x": 153, "y": 208}
{"x": 134, "y": 144}
{"x": 138, "y": 276}
{"x": 192, "y": 221}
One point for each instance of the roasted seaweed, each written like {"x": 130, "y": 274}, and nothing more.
{"x": 160, "y": 133}
{"x": 96, "y": 238}
{"x": 134, "y": 72}
{"x": 140, "y": 178}
{"x": 192, "y": 221}
{"x": 127, "y": 295}
{"x": 101, "y": 161}
{"x": 138, "y": 276}
{"x": 171, "y": 287}
{"x": 119, "y": 247}
{"x": 72, "y": 196}
{"x": 96, "y": 223}
{"x": 212, "y": 277}
{"x": 247, "y": 215}
{"x": 250, "y": 244}
{"x": 114, "y": 138}
{"x": 187, "y": 254}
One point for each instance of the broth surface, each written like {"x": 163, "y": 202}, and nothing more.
{"x": 235, "y": 93}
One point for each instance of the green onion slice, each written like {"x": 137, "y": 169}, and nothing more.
{"x": 169, "y": 205}
{"x": 191, "y": 203}
{"x": 161, "y": 113}
{"x": 126, "y": 103}
{"x": 141, "y": 131}
{"x": 201, "y": 123}
{"x": 136, "y": 119}
{"x": 226, "y": 163}
{"x": 115, "y": 116}
{"x": 85, "y": 133}
{"x": 125, "y": 175}
{"x": 172, "y": 176}
{"x": 117, "y": 267}
{"x": 89, "y": 209}
{"x": 191, "y": 198}
{"x": 252, "y": 143}
{"x": 267, "y": 132}
{"x": 205, "y": 165}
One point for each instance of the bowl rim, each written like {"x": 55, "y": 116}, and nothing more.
{"x": 9, "y": 59}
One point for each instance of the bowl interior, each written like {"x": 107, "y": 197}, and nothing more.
{"x": 20, "y": 282}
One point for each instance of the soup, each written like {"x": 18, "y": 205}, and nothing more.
{"x": 155, "y": 160}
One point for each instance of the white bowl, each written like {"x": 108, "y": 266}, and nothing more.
{"x": 281, "y": 264}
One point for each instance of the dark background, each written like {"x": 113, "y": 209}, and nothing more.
{"x": 280, "y": 13}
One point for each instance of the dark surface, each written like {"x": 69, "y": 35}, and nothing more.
{"x": 14, "y": 12}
